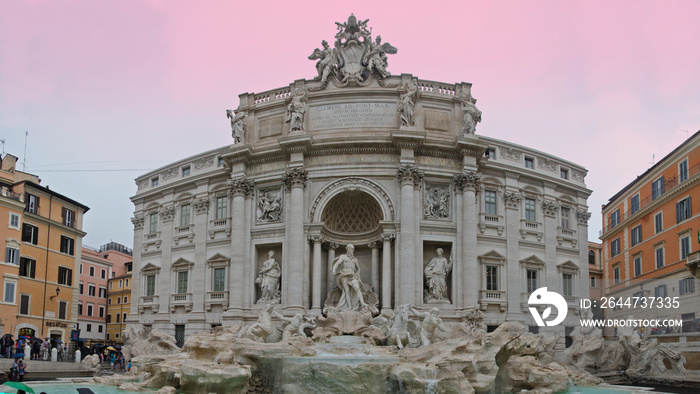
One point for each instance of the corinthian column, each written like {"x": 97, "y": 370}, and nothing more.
{"x": 374, "y": 246}
{"x": 468, "y": 269}
{"x": 386, "y": 272}
{"x": 316, "y": 273}
{"x": 238, "y": 189}
{"x": 295, "y": 181}
{"x": 410, "y": 178}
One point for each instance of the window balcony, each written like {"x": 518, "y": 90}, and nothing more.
{"x": 493, "y": 297}
{"x": 566, "y": 234}
{"x": 149, "y": 302}
{"x": 491, "y": 221}
{"x": 182, "y": 299}
{"x": 531, "y": 228}
{"x": 693, "y": 263}
{"x": 216, "y": 298}
{"x": 183, "y": 232}
{"x": 151, "y": 241}
{"x": 219, "y": 226}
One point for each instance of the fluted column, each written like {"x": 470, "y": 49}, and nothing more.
{"x": 410, "y": 178}
{"x": 468, "y": 269}
{"x": 374, "y": 246}
{"x": 295, "y": 181}
{"x": 316, "y": 273}
{"x": 386, "y": 271}
{"x": 238, "y": 189}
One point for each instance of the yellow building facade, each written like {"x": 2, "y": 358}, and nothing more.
{"x": 118, "y": 304}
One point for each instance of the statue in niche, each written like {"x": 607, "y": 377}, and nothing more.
{"x": 407, "y": 103}
{"x": 376, "y": 59}
{"x": 436, "y": 277}
{"x": 296, "y": 110}
{"x": 269, "y": 280}
{"x": 269, "y": 206}
{"x": 327, "y": 59}
{"x": 472, "y": 115}
{"x": 347, "y": 268}
{"x": 431, "y": 322}
{"x": 238, "y": 127}
{"x": 437, "y": 203}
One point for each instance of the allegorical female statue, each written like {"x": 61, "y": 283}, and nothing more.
{"x": 269, "y": 279}
{"x": 436, "y": 277}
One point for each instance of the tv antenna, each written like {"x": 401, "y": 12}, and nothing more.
{"x": 3, "y": 146}
{"x": 24, "y": 160}
{"x": 686, "y": 133}
{"x": 652, "y": 160}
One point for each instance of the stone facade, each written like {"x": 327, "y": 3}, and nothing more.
{"x": 334, "y": 161}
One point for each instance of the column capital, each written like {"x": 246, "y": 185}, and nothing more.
{"x": 201, "y": 205}
{"x": 138, "y": 221}
{"x": 409, "y": 174}
{"x": 167, "y": 213}
{"x": 583, "y": 217}
{"x": 468, "y": 181}
{"x": 332, "y": 245}
{"x": 295, "y": 177}
{"x": 240, "y": 186}
{"x": 387, "y": 237}
{"x": 373, "y": 244}
{"x": 317, "y": 238}
{"x": 549, "y": 208}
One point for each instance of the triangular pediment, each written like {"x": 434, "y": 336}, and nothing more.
{"x": 532, "y": 260}
{"x": 150, "y": 267}
{"x": 182, "y": 263}
{"x": 218, "y": 258}
{"x": 568, "y": 265}
{"x": 492, "y": 255}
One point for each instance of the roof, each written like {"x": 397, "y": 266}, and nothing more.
{"x": 59, "y": 195}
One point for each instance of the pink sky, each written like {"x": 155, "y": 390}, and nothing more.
{"x": 139, "y": 84}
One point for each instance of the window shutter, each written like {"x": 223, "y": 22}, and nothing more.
{"x": 688, "y": 212}
{"x": 70, "y": 277}
{"x": 662, "y": 185}
{"x": 32, "y": 263}
{"x": 678, "y": 212}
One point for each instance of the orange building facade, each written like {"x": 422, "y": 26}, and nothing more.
{"x": 595, "y": 270}
{"x": 41, "y": 257}
{"x": 650, "y": 232}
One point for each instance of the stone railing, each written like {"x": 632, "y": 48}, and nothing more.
{"x": 437, "y": 88}
{"x": 181, "y": 299}
{"x": 272, "y": 95}
{"x": 216, "y": 298}
{"x": 496, "y": 297}
{"x": 149, "y": 302}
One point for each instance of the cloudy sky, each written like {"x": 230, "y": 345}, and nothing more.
{"x": 110, "y": 89}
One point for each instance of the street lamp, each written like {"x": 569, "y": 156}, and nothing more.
{"x": 58, "y": 290}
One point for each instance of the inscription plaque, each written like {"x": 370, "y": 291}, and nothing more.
{"x": 352, "y": 115}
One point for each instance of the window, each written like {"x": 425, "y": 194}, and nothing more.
{"x": 89, "y": 309}
{"x": 10, "y": 289}
{"x": 99, "y": 328}
{"x": 68, "y": 217}
{"x": 637, "y": 265}
{"x": 615, "y": 247}
{"x": 219, "y": 279}
{"x": 531, "y": 281}
{"x": 62, "y": 308}
{"x": 530, "y": 213}
{"x": 659, "y": 256}
{"x": 491, "y": 277}
{"x": 568, "y": 284}
{"x": 186, "y": 171}
{"x": 657, "y": 188}
{"x": 185, "y": 215}
{"x": 616, "y": 274}
{"x": 660, "y": 291}
{"x": 91, "y": 290}
{"x": 126, "y": 299}
{"x": 67, "y": 245}
{"x": 30, "y": 234}
{"x": 14, "y": 221}
{"x": 683, "y": 210}
{"x": 153, "y": 223}
{"x": 490, "y": 153}
{"x": 592, "y": 281}
{"x": 103, "y": 292}
{"x": 634, "y": 204}
{"x": 80, "y": 287}
{"x": 103, "y": 274}
{"x": 124, "y": 317}
{"x": 564, "y": 173}
{"x": 685, "y": 247}
{"x": 92, "y": 271}
{"x": 102, "y": 311}
{"x": 529, "y": 162}
{"x": 615, "y": 218}
{"x": 80, "y": 308}
{"x": 118, "y": 316}
{"x": 12, "y": 255}
{"x": 565, "y": 214}
{"x": 636, "y": 235}
{"x": 150, "y": 285}
{"x": 182, "y": 282}
{"x": 110, "y": 285}
{"x": 89, "y": 328}
{"x": 490, "y": 202}
{"x": 120, "y": 283}
{"x": 221, "y": 203}
{"x": 119, "y": 300}
{"x": 32, "y": 203}
{"x": 27, "y": 267}
{"x": 221, "y": 162}
{"x": 154, "y": 182}
{"x": 109, "y": 301}
{"x": 109, "y": 318}
{"x": 659, "y": 222}
{"x": 65, "y": 276}
{"x": 24, "y": 304}
{"x": 127, "y": 282}
{"x": 591, "y": 257}
{"x": 683, "y": 170}
{"x": 686, "y": 286}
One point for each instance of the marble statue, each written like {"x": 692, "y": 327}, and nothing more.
{"x": 400, "y": 327}
{"x": 348, "y": 270}
{"x": 262, "y": 328}
{"x": 473, "y": 322}
{"x": 436, "y": 277}
{"x": 294, "y": 326}
{"x": 269, "y": 206}
{"x": 326, "y": 64}
{"x": 296, "y": 110}
{"x": 472, "y": 115}
{"x": 431, "y": 322}
{"x": 376, "y": 59}
{"x": 238, "y": 127}
{"x": 269, "y": 279}
{"x": 407, "y": 103}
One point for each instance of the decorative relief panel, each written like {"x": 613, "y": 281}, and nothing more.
{"x": 549, "y": 208}
{"x": 577, "y": 176}
{"x": 510, "y": 154}
{"x": 201, "y": 205}
{"x": 167, "y": 214}
{"x": 170, "y": 173}
{"x": 546, "y": 164}
{"x": 204, "y": 162}
{"x": 436, "y": 202}
{"x": 512, "y": 200}
{"x": 269, "y": 205}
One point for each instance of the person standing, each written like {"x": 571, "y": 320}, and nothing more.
{"x": 20, "y": 370}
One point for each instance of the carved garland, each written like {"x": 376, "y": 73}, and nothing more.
{"x": 352, "y": 181}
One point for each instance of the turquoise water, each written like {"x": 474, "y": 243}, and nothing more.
{"x": 71, "y": 388}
